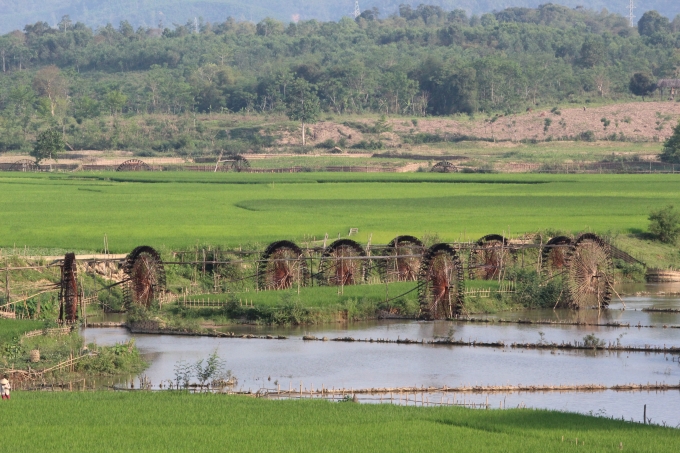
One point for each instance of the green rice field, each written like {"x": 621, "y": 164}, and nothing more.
{"x": 180, "y": 210}
{"x": 12, "y": 328}
{"x": 177, "y": 421}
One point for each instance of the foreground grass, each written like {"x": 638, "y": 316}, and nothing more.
{"x": 178, "y": 210}
{"x": 174, "y": 422}
{"x": 12, "y": 328}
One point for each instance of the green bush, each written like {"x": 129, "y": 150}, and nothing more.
{"x": 532, "y": 291}
{"x": 671, "y": 148}
{"x": 665, "y": 224}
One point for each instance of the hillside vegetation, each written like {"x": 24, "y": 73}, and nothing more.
{"x": 14, "y": 14}
{"x": 425, "y": 61}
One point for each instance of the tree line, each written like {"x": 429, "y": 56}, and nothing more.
{"x": 421, "y": 61}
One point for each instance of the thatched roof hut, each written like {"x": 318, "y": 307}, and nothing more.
{"x": 668, "y": 83}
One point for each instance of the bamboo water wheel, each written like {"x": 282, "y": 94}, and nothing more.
{"x": 590, "y": 276}
{"x": 146, "y": 277}
{"x": 342, "y": 264}
{"x": 281, "y": 266}
{"x": 405, "y": 257}
{"x": 441, "y": 283}
{"x": 554, "y": 255}
{"x": 68, "y": 290}
{"x": 488, "y": 257}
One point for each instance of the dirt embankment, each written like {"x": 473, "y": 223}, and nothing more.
{"x": 639, "y": 121}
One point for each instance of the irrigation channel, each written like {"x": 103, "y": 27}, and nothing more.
{"x": 424, "y": 374}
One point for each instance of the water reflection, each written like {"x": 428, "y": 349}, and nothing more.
{"x": 267, "y": 363}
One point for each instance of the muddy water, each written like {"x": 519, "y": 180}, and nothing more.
{"x": 268, "y": 363}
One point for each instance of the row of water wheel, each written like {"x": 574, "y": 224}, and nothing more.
{"x": 584, "y": 263}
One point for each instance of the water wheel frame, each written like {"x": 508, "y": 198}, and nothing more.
{"x": 133, "y": 165}
{"x": 589, "y": 259}
{"x": 402, "y": 269}
{"x": 443, "y": 167}
{"x": 451, "y": 288}
{"x": 69, "y": 297}
{"x": 331, "y": 275}
{"x": 238, "y": 163}
{"x": 24, "y": 165}
{"x": 483, "y": 263}
{"x": 276, "y": 272}
{"x": 146, "y": 277}
{"x": 555, "y": 253}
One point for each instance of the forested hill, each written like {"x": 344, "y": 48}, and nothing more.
{"x": 149, "y": 13}
{"x": 425, "y": 61}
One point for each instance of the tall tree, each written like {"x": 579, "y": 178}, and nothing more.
{"x": 642, "y": 84}
{"x": 652, "y": 22}
{"x": 49, "y": 82}
{"x": 303, "y": 104}
{"x": 671, "y": 148}
{"x": 48, "y": 145}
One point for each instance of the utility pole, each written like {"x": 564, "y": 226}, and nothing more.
{"x": 631, "y": 17}
{"x": 357, "y": 10}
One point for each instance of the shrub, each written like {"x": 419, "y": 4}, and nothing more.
{"x": 591, "y": 341}
{"x": 587, "y": 136}
{"x": 671, "y": 148}
{"x": 665, "y": 224}
{"x": 327, "y": 144}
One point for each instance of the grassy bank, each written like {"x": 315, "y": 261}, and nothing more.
{"x": 179, "y": 210}
{"x": 11, "y": 329}
{"x": 163, "y": 422}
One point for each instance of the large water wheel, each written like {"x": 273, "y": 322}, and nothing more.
{"x": 405, "y": 256}
{"x": 554, "y": 255}
{"x": 590, "y": 275}
{"x": 146, "y": 274}
{"x": 133, "y": 165}
{"x": 342, "y": 264}
{"x": 24, "y": 165}
{"x": 281, "y": 266}
{"x": 441, "y": 283}
{"x": 443, "y": 167}
{"x": 488, "y": 257}
{"x": 237, "y": 162}
{"x": 68, "y": 290}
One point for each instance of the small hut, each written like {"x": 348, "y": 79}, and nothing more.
{"x": 672, "y": 84}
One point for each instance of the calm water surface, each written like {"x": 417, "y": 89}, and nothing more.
{"x": 266, "y": 363}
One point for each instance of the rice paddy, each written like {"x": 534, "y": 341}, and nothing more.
{"x": 180, "y": 210}
{"x": 177, "y": 421}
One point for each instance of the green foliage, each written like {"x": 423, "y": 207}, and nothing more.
{"x": 665, "y": 224}
{"x": 652, "y": 22}
{"x": 180, "y": 421}
{"x": 671, "y": 147}
{"x": 302, "y": 104}
{"x": 212, "y": 369}
{"x": 591, "y": 341}
{"x": 11, "y": 329}
{"x": 546, "y": 124}
{"x": 642, "y": 84}
{"x": 414, "y": 63}
{"x": 122, "y": 358}
{"x": 631, "y": 272}
{"x": 48, "y": 145}
{"x": 587, "y": 136}
{"x": 532, "y": 290}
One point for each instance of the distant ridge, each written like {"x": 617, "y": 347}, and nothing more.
{"x": 149, "y": 13}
